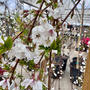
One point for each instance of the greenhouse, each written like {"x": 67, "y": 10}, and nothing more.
{"x": 44, "y": 44}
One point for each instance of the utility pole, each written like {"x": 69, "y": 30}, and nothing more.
{"x": 82, "y": 16}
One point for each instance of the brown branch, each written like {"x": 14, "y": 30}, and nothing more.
{"x": 30, "y": 4}
{"x": 17, "y": 36}
{"x": 35, "y": 19}
{"x": 70, "y": 12}
{"x": 41, "y": 58}
{"x": 13, "y": 70}
{"x": 46, "y": 7}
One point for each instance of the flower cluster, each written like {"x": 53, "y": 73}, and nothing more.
{"x": 19, "y": 51}
{"x": 32, "y": 83}
{"x": 43, "y": 34}
{"x": 5, "y": 83}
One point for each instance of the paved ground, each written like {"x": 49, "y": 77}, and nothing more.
{"x": 64, "y": 83}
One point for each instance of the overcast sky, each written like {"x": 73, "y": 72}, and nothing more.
{"x": 87, "y": 3}
{"x": 12, "y": 5}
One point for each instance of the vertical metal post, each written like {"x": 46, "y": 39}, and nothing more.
{"x": 81, "y": 31}
{"x": 49, "y": 73}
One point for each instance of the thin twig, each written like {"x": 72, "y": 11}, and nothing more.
{"x": 46, "y": 7}
{"x": 17, "y": 36}
{"x": 29, "y": 4}
{"x": 41, "y": 58}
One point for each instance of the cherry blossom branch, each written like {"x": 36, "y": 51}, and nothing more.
{"x": 70, "y": 12}
{"x": 41, "y": 58}
{"x": 68, "y": 15}
{"x": 28, "y": 3}
{"x": 17, "y": 36}
{"x": 42, "y": 11}
{"x": 13, "y": 70}
{"x": 46, "y": 7}
{"x": 35, "y": 19}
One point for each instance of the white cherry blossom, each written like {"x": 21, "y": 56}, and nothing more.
{"x": 33, "y": 84}
{"x": 19, "y": 51}
{"x": 37, "y": 85}
{"x": 43, "y": 34}
{"x": 37, "y": 34}
{"x": 27, "y": 82}
{"x": 6, "y": 83}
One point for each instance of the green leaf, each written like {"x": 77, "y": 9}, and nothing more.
{"x": 31, "y": 64}
{"x": 50, "y": 18}
{"x": 22, "y": 87}
{"x": 55, "y": 5}
{"x": 6, "y": 46}
{"x": 22, "y": 62}
{"x": 1, "y": 88}
{"x": 39, "y": 1}
{"x": 56, "y": 45}
{"x": 2, "y": 37}
{"x": 1, "y": 44}
{"x": 26, "y": 32}
{"x": 19, "y": 75}
{"x": 44, "y": 87}
{"x": 53, "y": 45}
{"x": 17, "y": 18}
{"x": 46, "y": 53}
{"x": 76, "y": 0}
{"x": 8, "y": 43}
{"x": 6, "y": 67}
{"x": 2, "y": 50}
{"x": 42, "y": 47}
